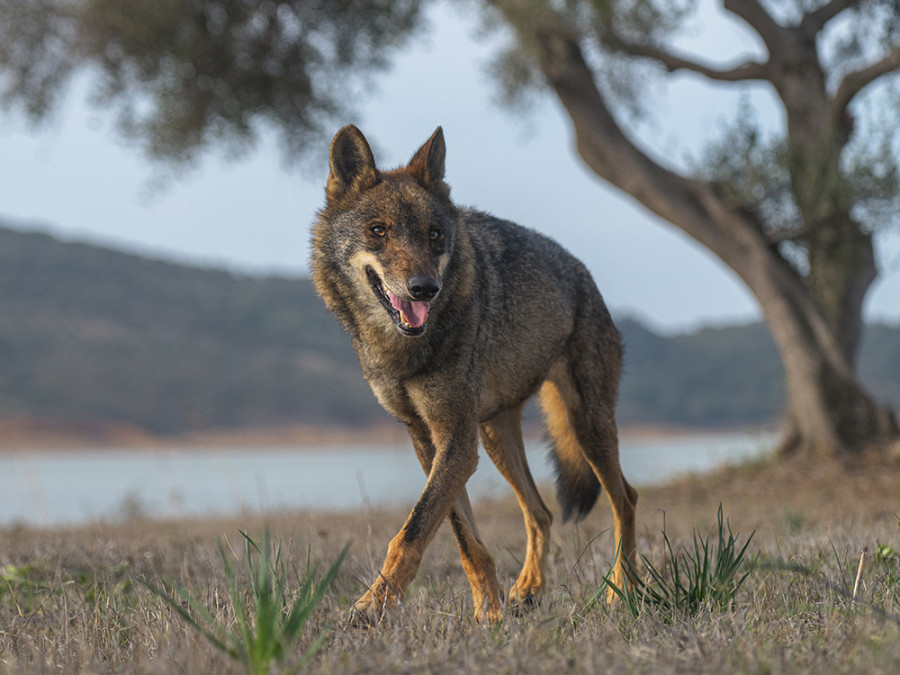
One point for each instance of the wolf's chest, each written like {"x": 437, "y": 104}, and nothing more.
{"x": 393, "y": 397}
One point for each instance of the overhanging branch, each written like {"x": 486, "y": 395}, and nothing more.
{"x": 854, "y": 82}
{"x": 750, "y": 70}
{"x": 815, "y": 20}
{"x": 756, "y": 16}
{"x": 787, "y": 235}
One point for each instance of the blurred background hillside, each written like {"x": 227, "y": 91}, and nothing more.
{"x": 91, "y": 337}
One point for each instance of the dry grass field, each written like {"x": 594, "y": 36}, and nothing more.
{"x": 73, "y": 600}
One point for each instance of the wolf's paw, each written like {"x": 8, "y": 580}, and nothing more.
{"x": 368, "y": 610}
{"x": 367, "y": 618}
{"x": 488, "y": 615}
{"x": 524, "y": 595}
{"x": 519, "y": 605}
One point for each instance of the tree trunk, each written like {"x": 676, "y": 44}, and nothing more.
{"x": 828, "y": 412}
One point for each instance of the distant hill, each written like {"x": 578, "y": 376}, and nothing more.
{"x": 711, "y": 378}
{"x": 91, "y": 335}
{"x": 729, "y": 376}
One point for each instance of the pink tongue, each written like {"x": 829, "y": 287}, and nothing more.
{"x": 415, "y": 313}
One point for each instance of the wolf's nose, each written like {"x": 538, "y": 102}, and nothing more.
{"x": 422, "y": 287}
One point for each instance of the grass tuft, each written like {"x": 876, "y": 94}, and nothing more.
{"x": 268, "y": 617}
{"x": 703, "y": 576}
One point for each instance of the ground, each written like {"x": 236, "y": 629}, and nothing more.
{"x": 73, "y": 600}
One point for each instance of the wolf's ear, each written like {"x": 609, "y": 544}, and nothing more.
{"x": 427, "y": 165}
{"x": 352, "y": 166}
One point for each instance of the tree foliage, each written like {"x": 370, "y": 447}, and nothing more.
{"x": 184, "y": 75}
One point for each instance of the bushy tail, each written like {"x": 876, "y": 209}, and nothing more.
{"x": 577, "y": 488}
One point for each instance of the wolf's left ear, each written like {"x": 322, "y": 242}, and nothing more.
{"x": 352, "y": 166}
{"x": 427, "y": 165}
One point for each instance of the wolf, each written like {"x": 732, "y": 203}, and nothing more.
{"x": 458, "y": 318}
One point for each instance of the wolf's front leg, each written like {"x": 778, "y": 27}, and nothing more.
{"x": 453, "y": 464}
{"x": 477, "y": 562}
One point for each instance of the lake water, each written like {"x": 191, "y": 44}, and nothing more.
{"x": 71, "y": 487}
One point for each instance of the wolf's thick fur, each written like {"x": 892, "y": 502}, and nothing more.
{"x": 458, "y": 318}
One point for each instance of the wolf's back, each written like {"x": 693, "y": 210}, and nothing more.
{"x": 537, "y": 286}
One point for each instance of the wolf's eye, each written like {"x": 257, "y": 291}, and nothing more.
{"x": 378, "y": 230}
{"x": 435, "y": 234}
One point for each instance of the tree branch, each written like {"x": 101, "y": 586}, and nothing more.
{"x": 853, "y": 82}
{"x": 750, "y": 70}
{"x": 611, "y": 154}
{"x": 756, "y": 16}
{"x": 787, "y": 235}
{"x": 815, "y": 20}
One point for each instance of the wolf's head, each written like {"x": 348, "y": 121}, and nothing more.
{"x": 384, "y": 239}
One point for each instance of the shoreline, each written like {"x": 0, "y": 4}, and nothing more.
{"x": 18, "y": 436}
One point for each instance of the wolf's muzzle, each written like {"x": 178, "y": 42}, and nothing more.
{"x": 422, "y": 287}
{"x": 408, "y": 315}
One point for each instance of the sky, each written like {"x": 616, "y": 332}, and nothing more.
{"x": 77, "y": 179}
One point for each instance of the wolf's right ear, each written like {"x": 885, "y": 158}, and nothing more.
{"x": 352, "y": 166}
{"x": 427, "y": 165}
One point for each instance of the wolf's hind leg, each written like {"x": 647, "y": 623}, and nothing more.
{"x": 590, "y": 406}
{"x": 502, "y": 438}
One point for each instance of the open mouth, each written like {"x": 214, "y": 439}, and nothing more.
{"x": 409, "y": 316}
